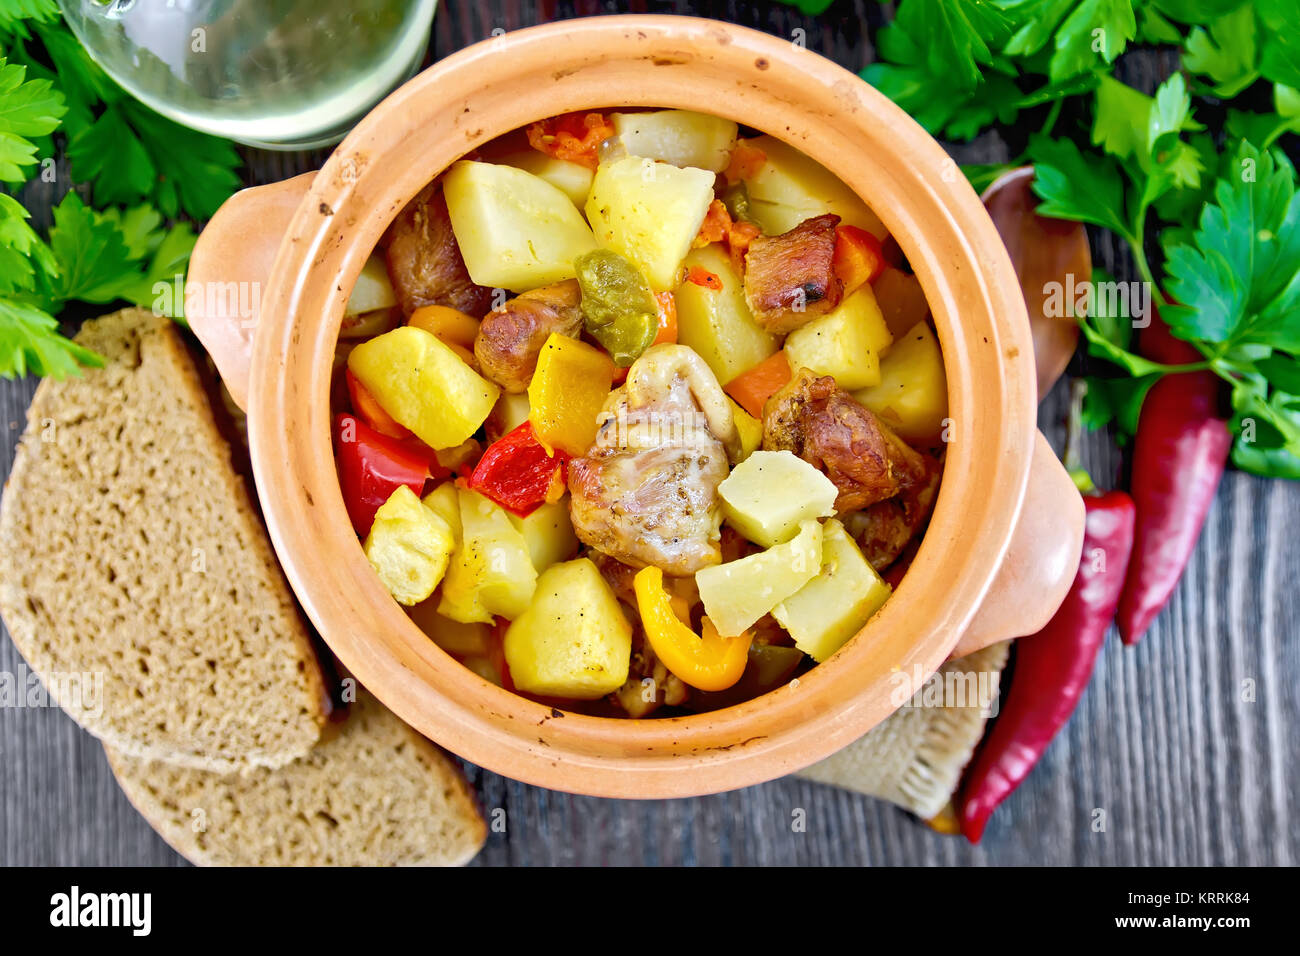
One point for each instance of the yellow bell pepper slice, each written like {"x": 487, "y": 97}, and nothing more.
{"x": 706, "y": 661}
{"x": 567, "y": 394}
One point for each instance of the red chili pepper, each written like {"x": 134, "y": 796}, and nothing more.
{"x": 517, "y": 473}
{"x": 1179, "y": 452}
{"x": 1053, "y": 666}
{"x": 373, "y": 465}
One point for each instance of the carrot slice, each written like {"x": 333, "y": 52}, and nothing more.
{"x": 751, "y": 389}
{"x": 666, "y": 306}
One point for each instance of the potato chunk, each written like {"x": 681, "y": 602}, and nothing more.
{"x": 649, "y": 213}
{"x": 373, "y": 290}
{"x": 408, "y": 546}
{"x": 548, "y": 531}
{"x": 680, "y": 137}
{"x": 515, "y": 230}
{"x": 423, "y": 384}
{"x": 832, "y": 607}
{"x": 738, "y": 593}
{"x": 717, "y": 323}
{"x": 491, "y": 572}
{"x": 790, "y": 187}
{"x": 912, "y": 395}
{"x": 572, "y": 179}
{"x": 768, "y": 495}
{"x": 845, "y": 344}
{"x": 573, "y": 640}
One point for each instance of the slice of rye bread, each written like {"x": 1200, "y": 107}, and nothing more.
{"x": 374, "y": 794}
{"x": 130, "y": 552}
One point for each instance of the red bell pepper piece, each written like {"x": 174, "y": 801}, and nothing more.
{"x": 1052, "y": 667}
{"x": 373, "y": 465}
{"x": 1179, "y": 452}
{"x": 370, "y": 411}
{"x": 517, "y": 473}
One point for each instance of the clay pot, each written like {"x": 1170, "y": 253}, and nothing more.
{"x": 1004, "y": 542}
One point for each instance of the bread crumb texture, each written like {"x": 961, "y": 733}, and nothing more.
{"x": 375, "y": 794}
{"x": 129, "y": 548}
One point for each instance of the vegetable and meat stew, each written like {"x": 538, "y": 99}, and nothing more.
{"x": 638, "y": 414}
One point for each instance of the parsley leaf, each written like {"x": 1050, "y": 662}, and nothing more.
{"x": 1072, "y": 186}
{"x": 196, "y": 172}
{"x": 30, "y": 344}
{"x": 21, "y": 250}
{"x": 1238, "y": 282}
{"x": 28, "y": 108}
{"x": 94, "y": 264}
{"x": 1093, "y": 35}
{"x": 1226, "y": 52}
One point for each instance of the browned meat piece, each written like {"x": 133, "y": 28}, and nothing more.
{"x": 650, "y": 684}
{"x": 616, "y": 574}
{"x": 510, "y": 338}
{"x": 646, "y": 493}
{"x": 884, "y": 530}
{"x": 789, "y": 279}
{"x": 822, "y": 424}
{"x": 424, "y": 261}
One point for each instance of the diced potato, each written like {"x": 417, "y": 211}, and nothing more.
{"x": 679, "y": 137}
{"x": 457, "y": 639}
{"x": 515, "y": 230}
{"x": 738, "y": 593}
{"x": 373, "y": 290}
{"x": 771, "y": 493}
{"x": 649, "y": 213}
{"x": 717, "y": 323}
{"x": 491, "y": 572}
{"x": 748, "y": 427}
{"x": 573, "y": 640}
{"x": 444, "y": 501}
{"x": 424, "y": 385}
{"x": 835, "y": 604}
{"x": 572, "y": 179}
{"x": 511, "y": 411}
{"x": 912, "y": 397}
{"x": 901, "y": 300}
{"x": 791, "y": 187}
{"x": 408, "y": 546}
{"x": 567, "y": 393}
{"x": 549, "y": 534}
{"x": 845, "y": 343}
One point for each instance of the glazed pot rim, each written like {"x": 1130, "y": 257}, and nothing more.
{"x": 903, "y": 175}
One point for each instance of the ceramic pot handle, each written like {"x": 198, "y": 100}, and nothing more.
{"x": 228, "y": 272}
{"x": 1041, "y": 563}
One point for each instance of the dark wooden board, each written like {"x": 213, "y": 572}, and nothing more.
{"x": 1187, "y": 770}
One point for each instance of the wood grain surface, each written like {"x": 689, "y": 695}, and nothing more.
{"x": 1189, "y": 766}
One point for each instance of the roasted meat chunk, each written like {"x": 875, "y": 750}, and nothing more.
{"x": 822, "y": 424}
{"x": 424, "y": 262}
{"x": 510, "y": 338}
{"x": 884, "y": 530}
{"x": 789, "y": 279}
{"x": 646, "y": 493}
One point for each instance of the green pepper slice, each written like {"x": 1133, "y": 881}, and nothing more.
{"x": 618, "y": 308}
